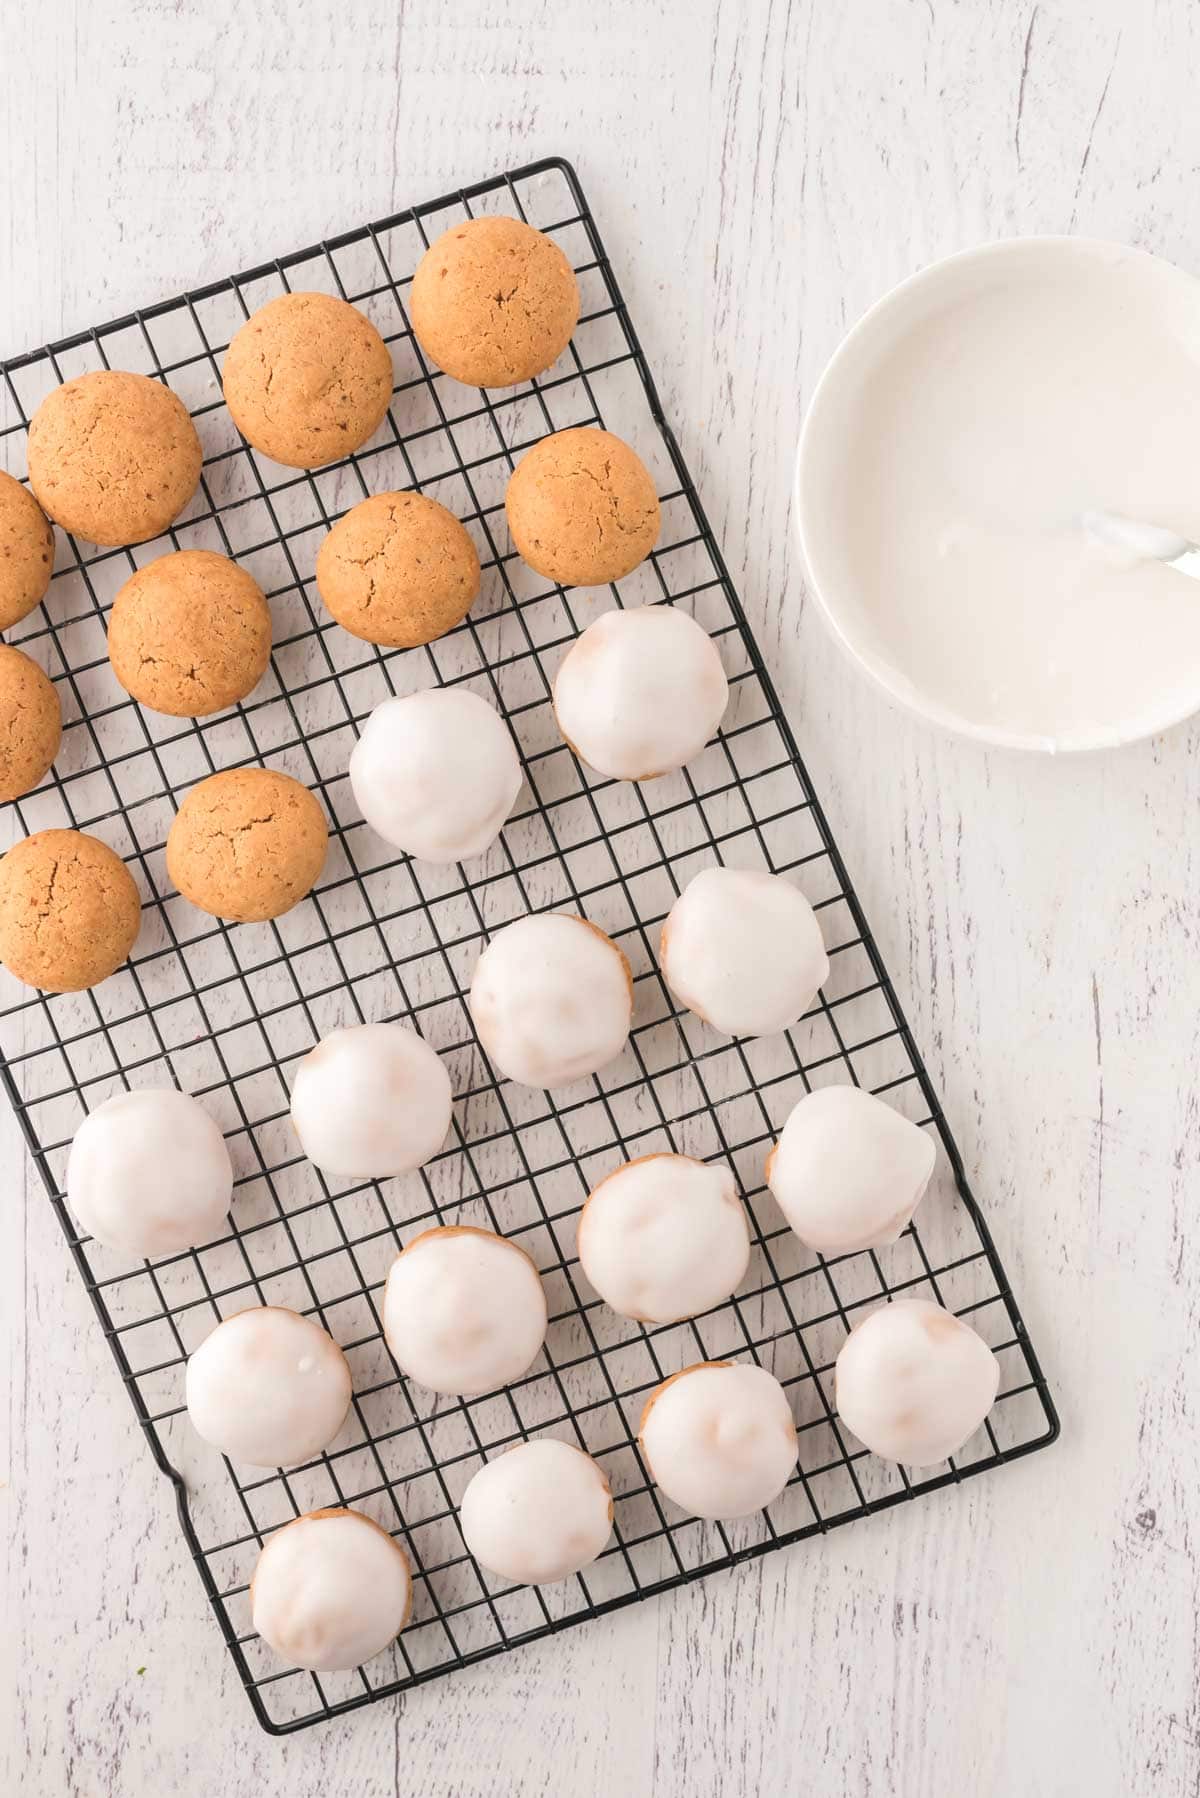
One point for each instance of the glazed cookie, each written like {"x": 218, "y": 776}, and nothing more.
{"x": 398, "y": 570}
{"x": 743, "y": 950}
{"x": 913, "y": 1382}
{"x": 26, "y": 552}
{"x": 307, "y": 379}
{"x": 189, "y": 634}
{"x": 493, "y": 302}
{"x": 464, "y": 1311}
{"x": 537, "y": 1513}
{"x": 551, "y": 999}
{"x": 247, "y": 844}
{"x": 113, "y": 456}
{"x": 30, "y": 723}
{"x": 664, "y": 1238}
{"x": 268, "y": 1387}
{"x": 330, "y": 1590}
{"x": 69, "y": 911}
{"x": 640, "y": 693}
{"x": 719, "y": 1438}
{"x": 582, "y": 508}
{"x": 115, "y": 1173}
{"x": 371, "y": 1101}
{"x": 848, "y": 1171}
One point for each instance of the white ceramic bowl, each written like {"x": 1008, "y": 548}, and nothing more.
{"x": 1150, "y": 295}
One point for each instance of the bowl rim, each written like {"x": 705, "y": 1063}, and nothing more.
{"x": 878, "y": 669}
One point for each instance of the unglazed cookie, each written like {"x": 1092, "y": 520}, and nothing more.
{"x": 551, "y": 999}
{"x": 914, "y": 1382}
{"x": 848, "y": 1171}
{"x": 247, "y": 844}
{"x": 493, "y": 302}
{"x": 743, "y": 950}
{"x": 398, "y": 570}
{"x": 582, "y": 508}
{"x": 190, "y": 634}
{"x": 464, "y": 1311}
{"x": 664, "y": 1238}
{"x": 719, "y": 1438}
{"x": 149, "y": 1174}
{"x": 26, "y": 552}
{"x": 113, "y": 456}
{"x": 69, "y": 911}
{"x": 641, "y": 692}
{"x": 307, "y": 379}
{"x": 330, "y": 1590}
{"x": 268, "y": 1388}
{"x": 371, "y": 1101}
{"x": 436, "y": 774}
{"x": 537, "y": 1513}
{"x": 30, "y": 723}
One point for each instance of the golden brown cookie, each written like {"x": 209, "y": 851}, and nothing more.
{"x": 69, "y": 911}
{"x": 494, "y": 302}
{"x": 307, "y": 379}
{"x": 26, "y": 552}
{"x": 190, "y": 634}
{"x": 247, "y": 844}
{"x": 113, "y": 456}
{"x": 582, "y": 508}
{"x": 30, "y": 723}
{"x": 398, "y": 570}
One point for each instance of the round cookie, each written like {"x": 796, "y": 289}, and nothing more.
{"x": 913, "y": 1382}
{"x": 189, "y": 634}
{"x": 113, "y": 456}
{"x": 371, "y": 1101}
{"x": 551, "y": 999}
{"x": 464, "y": 1311}
{"x": 115, "y": 1173}
{"x": 719, "y": 1438}
{"x": 436, "y": 773}
{"x": 26, "y": 552}
{"x": 398, "y": 570}
{"x": 539, "y": 1512}
{"x": 69, "y": 911}
{"x": 641, "y": 692}
{"x": 493, "y": 302}
{"x": 247, "y": 844}
{"x": 848, "y": 1171}
{"x": 330, "y": 1590}
{"x": 30, "y": 723}
{"x": 743, "y": 950}
{"x": 582, "y": 508}
{"x": 307, "y": 379}
{"x": 268, "y": 1387}
{"x": 664, "y": 1237}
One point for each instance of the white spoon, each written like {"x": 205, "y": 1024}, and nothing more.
{"x": 1150, "y": 542}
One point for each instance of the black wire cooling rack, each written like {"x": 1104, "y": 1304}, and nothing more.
{"x": 226, "y": 1011}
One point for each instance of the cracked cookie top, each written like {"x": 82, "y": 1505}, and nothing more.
{"x": 307, "y": 379}
{"x": 247, "y": 845}
{"x": 26, "y": 552}
{"x": 398, "y": 570}
{"x": 190, "y": 634}
{"x": 69, "y": 911}
{"x": 494, "y": 302}
{"x": 582, "y": 508}
{"x": 113, "y": 456}
{"x": 30, "y": 723}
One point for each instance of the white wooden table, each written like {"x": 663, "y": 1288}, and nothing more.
{"x": 761, "y": 173}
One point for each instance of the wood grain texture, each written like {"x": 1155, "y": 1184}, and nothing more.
{"x": 762, "y": 172}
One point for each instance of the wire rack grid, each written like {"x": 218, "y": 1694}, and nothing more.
{"x": 225, "y": 1012}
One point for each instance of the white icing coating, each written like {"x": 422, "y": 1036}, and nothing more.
{"x": 436, "y": 774}
{"x": 331, "y": 1589}
{"x": 743, "y": 950}
{"x": 551, "y": 999}
{"x": 539, "y": 1512}
{"x": 464, "y": 1311}
{"x": 268, "y": 1388}
{"x": 641, "y": 692}
{"x": 149, "y": 1173}
{"x": 848, "y": 1171}
{"x": 914, "y": 1382}
{"x": 664, "y": 1238}
{"x": 371, "y": 1101}
{"x": 719, "y": 1438}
